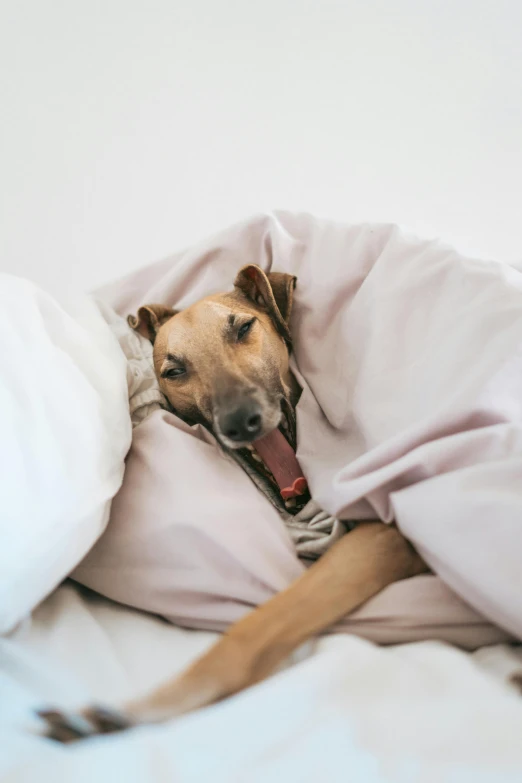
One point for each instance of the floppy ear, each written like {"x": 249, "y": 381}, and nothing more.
{"x": 274, "y": 292}
{"x": 149, "y": 319}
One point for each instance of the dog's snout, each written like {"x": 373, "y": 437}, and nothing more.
{"x": 242, "y": 423}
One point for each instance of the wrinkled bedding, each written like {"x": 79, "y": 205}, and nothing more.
{"x": 419, "y": 421}
{"x": 420, "y": 712}
{"x": 64, "y": 434}
{"x": 410, "y": 360}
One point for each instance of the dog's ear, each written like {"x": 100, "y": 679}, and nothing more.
{"x": 149, "y": 319}
{"x": 274, "y": 292}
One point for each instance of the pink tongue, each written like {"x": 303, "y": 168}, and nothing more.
{"x": 280, "y": 459}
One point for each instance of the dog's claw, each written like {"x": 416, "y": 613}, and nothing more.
{"x": 67, "y": 727}
{"x": 107, "y": 720}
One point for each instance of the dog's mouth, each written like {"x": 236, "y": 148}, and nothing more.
{"x": 274, "y": 455}
{"x": 278, "y": 456}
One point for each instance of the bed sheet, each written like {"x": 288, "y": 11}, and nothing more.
{"x": 341, "y": 709}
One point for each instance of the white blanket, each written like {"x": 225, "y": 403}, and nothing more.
{"x": 352, "y": 711}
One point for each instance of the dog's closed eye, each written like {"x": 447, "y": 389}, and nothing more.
{"x": 244, "y": 329}
{"x": 173, "y": 372}
{"x": 173, "y": 367}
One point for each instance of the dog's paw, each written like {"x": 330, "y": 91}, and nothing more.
{"x": 68, "y": 727}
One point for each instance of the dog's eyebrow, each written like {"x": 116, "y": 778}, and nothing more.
{"x": 170, "y": 357}
{"x": 231, "y": 319}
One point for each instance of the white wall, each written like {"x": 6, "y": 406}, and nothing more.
{"x": 132, "y": 127}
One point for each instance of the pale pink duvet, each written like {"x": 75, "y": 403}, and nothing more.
{"x": 410, "y": 358}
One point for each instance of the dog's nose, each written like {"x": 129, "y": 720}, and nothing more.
{"x": 242, "y": 423}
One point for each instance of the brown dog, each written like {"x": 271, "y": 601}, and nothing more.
{"x": 224, "y": 362}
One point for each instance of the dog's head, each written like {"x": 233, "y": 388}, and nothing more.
{"x": 223, "y": 362}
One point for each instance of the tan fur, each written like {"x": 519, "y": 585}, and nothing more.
{"x": 220, "y": 368}
{"x": 357, "y": 567}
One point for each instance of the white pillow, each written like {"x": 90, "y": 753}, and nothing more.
{"x": 64, "y": 433}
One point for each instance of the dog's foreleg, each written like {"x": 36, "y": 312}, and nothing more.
{"x": 357, "y": 567}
